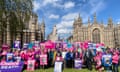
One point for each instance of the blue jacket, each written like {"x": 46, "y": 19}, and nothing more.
{"x": 69, "y": 56}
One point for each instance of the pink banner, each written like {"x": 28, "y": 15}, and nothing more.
{"x": 49, "y": 44}
{"x": 5, "y": 46}
{"x": 43, "y": 59}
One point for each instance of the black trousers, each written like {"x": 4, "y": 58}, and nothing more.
{"x": 115, "y": 67}
{"x": 50, "y": 62}
{"x": 89, "y": 64}
{"x": 69, "y": 63}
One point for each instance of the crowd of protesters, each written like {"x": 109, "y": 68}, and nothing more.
{"x": 103, "y": 59}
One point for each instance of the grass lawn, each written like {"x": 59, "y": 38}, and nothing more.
{"x": 65, "y": 70}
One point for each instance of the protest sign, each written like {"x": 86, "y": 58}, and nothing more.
{"x": 36, "y": 43}
{"x": 16, "y": 44}
{"x": 10, "y": 57}
{"x": 107, "y": 60}
{"x": 78, "y": 64}
{"x": 31, "y": 65}
{"x": 58, "y": 67}
{"x": 30, "y": 46}
{"x": 43, "y": 59}
{"x": 11, "y": 67}
{"x": 25, "y": 45}
{"x": 90, "y": 46}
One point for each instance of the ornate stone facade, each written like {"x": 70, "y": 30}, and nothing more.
{"x": 53, "y": 35}
{"x": 32, "y": 31}
{"x": 96, "y": 32}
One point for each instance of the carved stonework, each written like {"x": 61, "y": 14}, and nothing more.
{"x": 109, "y": 35}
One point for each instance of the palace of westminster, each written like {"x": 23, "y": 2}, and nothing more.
{"x": 33, "y": 31}
{"x": 96, "y": 32}
{"x": 93, "y": 31}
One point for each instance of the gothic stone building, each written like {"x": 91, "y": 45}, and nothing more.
{"x": 33, "y": 31}
{"x": 96, "y": 32}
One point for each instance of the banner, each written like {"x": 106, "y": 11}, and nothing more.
{"x": 11, "y": 67}
{"x": 5, "y": 46}
{"x": 58, "y": 67}
{"x": 91, "y": 46}
{"x": 25, "y": 45}
{"x": 49, "y": 44}
{"x": 16, "y": 44}
{"x": 31, "y": 65}
{"x": 43, "y": 59}
{"x": 37, "y": 43}
{"x": 78, "y": 64}
{"x": 30, "y": 45}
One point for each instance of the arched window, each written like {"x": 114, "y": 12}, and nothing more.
{"x": 96, "y": 35}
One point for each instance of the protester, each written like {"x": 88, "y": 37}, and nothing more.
{"x": 115, "y": 59}
{"x": 69, "y": 59}
{"x": 107, "y": 59}
{"x": 88, "y": 59}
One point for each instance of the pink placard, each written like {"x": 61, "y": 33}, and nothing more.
{"x": 31, "y": 65}
{"x": 43, "y": 59}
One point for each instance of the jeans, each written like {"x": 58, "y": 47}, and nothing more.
{"x": 115, "y": 68}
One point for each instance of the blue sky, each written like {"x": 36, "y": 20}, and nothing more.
{"x": 63, "y": 12}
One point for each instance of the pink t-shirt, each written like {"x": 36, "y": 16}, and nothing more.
{"x": 115, "y": 59}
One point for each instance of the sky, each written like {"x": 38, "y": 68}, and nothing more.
{"x": 63, "y": 12}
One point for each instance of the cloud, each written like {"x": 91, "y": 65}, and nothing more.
{"x": 36, "y": 6}
{"x": 65, "y": 24}
{"x": 64, "y": 31}
{"x": 118, "y": 21}
{"x": 53, "y": 16}
{"x": 97, "y": 6}
{"x": 45, "y": 2}
{"x": 66, "y": 11}
{"x": 69, "y": 5}
{"x": 70, "y": 16}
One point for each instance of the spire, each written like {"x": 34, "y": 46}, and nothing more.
{"x": 79, "y": 15}
{"x": 110, "y": 20}
{"x": 110, "y": 23}
{"x": 43, "y": 23}
{"x": 88, "y": 21}
{"x": 95, "y": 20}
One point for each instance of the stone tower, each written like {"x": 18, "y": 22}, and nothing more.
{"x": 53, "y": 35}
{"x": 33, "y": 27}
{"x": 8, "y": 33}
{"x": 43, "y": 30}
